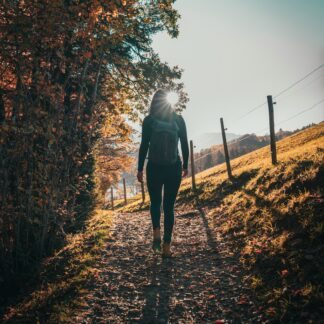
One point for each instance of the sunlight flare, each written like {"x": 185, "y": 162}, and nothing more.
{"x": 172, "y": 98}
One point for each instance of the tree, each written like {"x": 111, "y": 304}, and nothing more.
{"x": 112, "y": 153}
{"x": 71, "y": 70}
{"x": 220, "y": 158}
{"x": 208, "y": 162}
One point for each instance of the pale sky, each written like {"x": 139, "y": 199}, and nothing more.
{"x": 234, "y": 53}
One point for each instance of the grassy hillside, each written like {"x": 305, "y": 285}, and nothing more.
{"x": 273, "y": 216}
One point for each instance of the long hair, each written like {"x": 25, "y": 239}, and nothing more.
{"x": 160, "y": 107}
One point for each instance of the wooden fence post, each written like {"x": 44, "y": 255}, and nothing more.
{"x": 227, "y": 159}
{"x": 112, "y": 197}
{"x": 143, "y": 192}
{"x": 125, "y": 194}
{"x": 272, "y": 131}
{"x": 192, "y": 161}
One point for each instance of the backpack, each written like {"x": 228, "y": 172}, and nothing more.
{"x": 164, "y": 142}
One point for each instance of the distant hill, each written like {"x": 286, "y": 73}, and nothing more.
{"x": 213, "y": 155}
{"x": 207, "y": 140}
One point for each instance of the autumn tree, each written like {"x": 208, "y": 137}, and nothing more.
{"x": 208, "y": 162}
{"x": 71, "y": 71}
{"x": 112, "y": 153}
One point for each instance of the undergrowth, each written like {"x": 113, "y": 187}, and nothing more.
{"x": 64, "y": 278}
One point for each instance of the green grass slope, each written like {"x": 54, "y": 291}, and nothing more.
{"x": 273, "y": 216}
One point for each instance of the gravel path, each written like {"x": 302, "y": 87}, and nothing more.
{"x": 201, "y": 284}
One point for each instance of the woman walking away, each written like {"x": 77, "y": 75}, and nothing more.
{"x": 161, "y": 132}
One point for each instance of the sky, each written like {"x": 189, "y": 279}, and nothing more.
{"x": 234, "y": 53}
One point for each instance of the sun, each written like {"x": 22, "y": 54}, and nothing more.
{"x": 172, "y": 98}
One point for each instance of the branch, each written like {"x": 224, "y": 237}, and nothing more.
{"x": 94, "y": 94}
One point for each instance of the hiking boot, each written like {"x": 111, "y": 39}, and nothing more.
{"x": 156, "y": 240}
{"x": 166, "y": 251}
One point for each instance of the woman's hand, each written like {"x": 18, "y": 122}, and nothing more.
{"x": 184, "y": 173}
{"x": 140, "y": 176}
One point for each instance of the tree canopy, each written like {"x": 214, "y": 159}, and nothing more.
{"x": 71, "y": 71}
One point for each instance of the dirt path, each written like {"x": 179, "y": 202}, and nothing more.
{"x": 202, "y": 283}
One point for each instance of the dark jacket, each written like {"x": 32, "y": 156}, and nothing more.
{"x": 146, "y": 135}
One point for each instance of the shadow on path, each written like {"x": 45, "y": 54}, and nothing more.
{"x": 198, "y": 285}
{"x": 158, "y": 291}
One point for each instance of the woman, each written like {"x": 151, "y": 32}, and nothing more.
{"x": 161, "y": 132}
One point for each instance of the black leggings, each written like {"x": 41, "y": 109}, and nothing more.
{"x": 169, "y": 177}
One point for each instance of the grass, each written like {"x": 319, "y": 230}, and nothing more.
{"x": 64, "y": 278}
{"x": 273, "y": 216}
{"x": 119, "y": 204}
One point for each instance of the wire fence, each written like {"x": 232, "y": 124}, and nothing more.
{"x": 272, "y": 136}
{"x": 241, "y": 139}
{"x": 280, "y": 93}
{"x": 140, "y": 188}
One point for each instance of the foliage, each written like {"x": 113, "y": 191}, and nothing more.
{"x": 64, "y": 277}
{"x": 71, "y": 71}
{"x": 112, "y": 153}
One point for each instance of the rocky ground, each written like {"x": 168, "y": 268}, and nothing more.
{"x": 202, "y": 283}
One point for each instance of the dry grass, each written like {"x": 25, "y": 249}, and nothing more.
{"x": 274, "y": 218}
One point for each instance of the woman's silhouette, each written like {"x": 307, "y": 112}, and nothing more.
{"x": 161, "y": 132}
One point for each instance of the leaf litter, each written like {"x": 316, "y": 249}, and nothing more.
{"x": 203, "y": 282}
